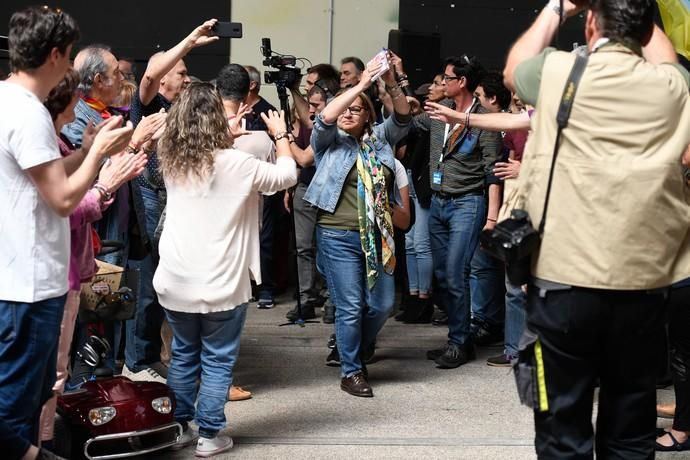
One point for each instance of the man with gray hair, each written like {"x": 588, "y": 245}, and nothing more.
{"x": 257, "y": 103}
{"x": 100, "y": 84}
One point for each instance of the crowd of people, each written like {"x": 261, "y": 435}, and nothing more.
{"x": 386, "y": 185}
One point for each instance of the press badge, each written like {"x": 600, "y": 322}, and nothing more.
{"x": 437, "y": 177}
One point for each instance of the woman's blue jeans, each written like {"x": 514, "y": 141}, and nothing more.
{"x": 360, "y": 313}
{"x": 207, "y": 344}
{"x": 420, "y": 268}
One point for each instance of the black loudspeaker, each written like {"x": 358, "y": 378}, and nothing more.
{"x": 421, "y": 54}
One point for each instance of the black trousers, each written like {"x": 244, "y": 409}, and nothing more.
{"x": 590, "y": 335}
{"x": 679, "y": 334}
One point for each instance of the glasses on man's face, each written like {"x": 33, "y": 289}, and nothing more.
{"x": 450, "y": 78}
{"x": 354, "y": 109}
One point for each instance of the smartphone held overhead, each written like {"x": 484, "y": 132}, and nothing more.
{"x": 228, "y": 29}
{"x": 382, "y": 58}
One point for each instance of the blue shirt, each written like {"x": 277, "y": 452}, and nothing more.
{"x": 83, "y": 115}
{"x": 335, "y": 153}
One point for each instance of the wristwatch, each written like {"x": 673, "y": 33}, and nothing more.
{"x": 282, "y": 135}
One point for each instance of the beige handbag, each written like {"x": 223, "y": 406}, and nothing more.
{"x": 106, "y": 280}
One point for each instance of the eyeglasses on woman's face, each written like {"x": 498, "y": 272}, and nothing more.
{"x": 354, "y": 110}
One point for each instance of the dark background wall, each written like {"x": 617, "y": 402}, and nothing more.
{"x": 434, "y": 29}
{"x": 484, "y": 28}
{"x": 138, "y": 29}
{"x": 429, "y": 30}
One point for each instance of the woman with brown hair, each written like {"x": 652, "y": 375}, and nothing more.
{"x": 209, "y": 248}
{"x": 354, "y": 190}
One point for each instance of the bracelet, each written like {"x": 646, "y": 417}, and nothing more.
{"x": 401, "y": 77}
{"x": 280, "y": 136}
{"x": 556, "y": 8}
{"x": 395, "y": 93}
{"x": 491, "y": 220}
{"x": 105, "y": 194}
{"x": 392, "y": 87}
{"x": 133, "y": 146}
{"x": 131, "y": 150}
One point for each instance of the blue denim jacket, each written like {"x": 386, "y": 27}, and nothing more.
{"x": 335, "y": 153}
{"x": 83, "y": 115}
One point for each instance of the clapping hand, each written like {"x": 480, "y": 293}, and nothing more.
{"x": 112, "y": 137}
{"x": 121, "y": 168}
{"x": 148, "y": 126}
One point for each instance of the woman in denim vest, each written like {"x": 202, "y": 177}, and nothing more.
{"x": 354, "y": 190}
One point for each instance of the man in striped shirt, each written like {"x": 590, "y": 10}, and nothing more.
{"x": 461, "y": 161}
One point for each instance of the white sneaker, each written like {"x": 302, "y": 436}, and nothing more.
{"x": 188, "y": 437}
{"x": 144, "y": 375}
{"x": 209, "y": 447}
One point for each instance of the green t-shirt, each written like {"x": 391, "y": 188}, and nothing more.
{"x": 345, "y": 216}
{"x": 527, "y": 76}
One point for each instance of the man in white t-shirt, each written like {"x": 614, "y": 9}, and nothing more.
{"x": 37, "y": 194}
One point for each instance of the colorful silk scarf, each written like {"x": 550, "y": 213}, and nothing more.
{"x": 373, "y": 211}
{"x": 98, "y": 106}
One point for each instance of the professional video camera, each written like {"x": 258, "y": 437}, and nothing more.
{"x": 287, "y": 74}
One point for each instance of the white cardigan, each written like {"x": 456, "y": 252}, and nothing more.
{"x": 210, "y": 242}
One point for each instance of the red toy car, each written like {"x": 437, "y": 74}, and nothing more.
{"x": 108, "y": 417}
{"x": 115, "y": 418}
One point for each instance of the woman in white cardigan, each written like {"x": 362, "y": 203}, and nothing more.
{"x": 209, "y": 248}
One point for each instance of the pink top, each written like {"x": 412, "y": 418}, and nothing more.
{"x": 82, "y": 265}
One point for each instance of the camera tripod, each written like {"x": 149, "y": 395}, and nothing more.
{"x": 285, "y": 107}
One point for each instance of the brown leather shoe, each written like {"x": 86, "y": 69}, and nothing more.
{"x": 666, "y": 410}
{"x": 238, "y": 394}
{"x": 357, "y": 385}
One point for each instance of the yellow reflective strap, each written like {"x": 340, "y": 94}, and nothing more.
{"x": 541, "y": 378}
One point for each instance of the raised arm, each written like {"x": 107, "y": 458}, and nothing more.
{"x": 62, "y": 192}
{"x": 274, "y": 177}
{"x": 538, "y": 36}
{"x": 659, "y": 50}
{"x": 302, "y": 107}
{"x": 159, "y": 66}
{"x": 400, "y": 104}
{"x": 485, "y": 121}
{"x": 338, "y": 105}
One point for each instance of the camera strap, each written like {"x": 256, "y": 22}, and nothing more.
{"x": 566, "y": 106}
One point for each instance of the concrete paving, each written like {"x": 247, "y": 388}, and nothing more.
{"x": 299, "y": 411}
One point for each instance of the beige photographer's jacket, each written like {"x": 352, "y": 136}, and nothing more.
{"x": 619, "y": 213}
